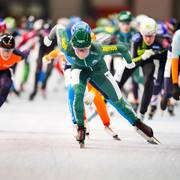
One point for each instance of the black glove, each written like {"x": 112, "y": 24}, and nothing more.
{"x": 176, "y": 91}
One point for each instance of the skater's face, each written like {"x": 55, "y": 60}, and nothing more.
{"x": 149, "y": 40}
{"x": 6, "y": 53}
{"x": 82, "y": 53}
{"x": 125, "y": 27}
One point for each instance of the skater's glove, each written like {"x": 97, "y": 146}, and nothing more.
{"x": 176, "y": 92}
{"x": 46, "y": 59}
{"x": 130, "y": 65}
{"x": 47, "y": 41}
{"x": 147, "y": 54}
{"x": 89, "y": 98}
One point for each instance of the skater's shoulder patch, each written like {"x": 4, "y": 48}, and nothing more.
{"x": 136, "y": 37}
{"x": 19, "y": 53}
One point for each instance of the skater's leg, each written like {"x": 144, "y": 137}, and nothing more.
{"x": 100, "y": 106}
{"x": 101, "y": 109}
{"x": 135, "y": 100}
{"x": 70, "y": 102}
{"x": 5, "y": 85}
{"x": 167, "y": 93}
{"x": 79, "y": 82}
{"x": 124, "y": 77}
{"x": 107, "y": 83}
{"x": 25, "y": 74}
{"x": 148, "y": 71}
{"x": 37, "y": 74}
{"x": 109, "y": 86}
{"x": 48, "y": 74}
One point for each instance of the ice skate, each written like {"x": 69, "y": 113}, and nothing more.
{"x": 146, "y": 132}
{"x": 109, "y": 130}
{"x": 164, "y": 102}
{"x": 81, "y": 134}
{"x": 170, "y": 108}
{"x": 152, "y": 112}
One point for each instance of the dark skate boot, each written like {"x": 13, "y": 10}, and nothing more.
{"x": 152, "y": 112}
{"x": 32, "y": 96}
{"x": 81, "y": 134}
{"x": 164, "y": 102}
{"x": 146, "y": 132}
{"x": 171, "y": 109}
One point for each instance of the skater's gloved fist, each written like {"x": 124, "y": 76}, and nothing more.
{"x": 176, "y": 92}
{"x": 46, "y": 59}
{"x": 130, "y": 65}
{"x": 89, "y": 98}
{"x": 47, "y": 41}
{"x": 147, "y": 54}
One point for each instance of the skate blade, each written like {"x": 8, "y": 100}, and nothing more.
{"x": 116, "y": 138}
{"x": 157, "y": 140}
{"x": 153, "y": 140}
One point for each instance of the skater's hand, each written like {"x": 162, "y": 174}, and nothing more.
{"x": 147, "y": 54}
{"x": 130, "y": 65}
{"x": 46, "y": 59}
{"x": 47, "y": 41}
{"x": 89, "y": 98}
{"x": 176, "y": 92}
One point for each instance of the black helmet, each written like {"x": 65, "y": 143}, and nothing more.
{"x": 7, "y": 41}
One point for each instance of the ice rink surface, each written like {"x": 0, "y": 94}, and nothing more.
{"x": 37, "y": 143}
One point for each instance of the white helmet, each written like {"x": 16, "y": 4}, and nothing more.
{"x": 38, "y": 24}
{"x": 148, "y": 27}
{"x": 139, "y": 19}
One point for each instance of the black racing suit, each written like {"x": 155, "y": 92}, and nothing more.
{"x": 148, "y": 66}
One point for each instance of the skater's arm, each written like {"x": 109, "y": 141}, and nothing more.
{"x": 58, "y": 31}
{"x": 56, "y": 53}
{"x": 136, "y": 51}
{"x": 136, "y": 56}
{"x": 175, "y": 57}
{"x": 20, "y": 54}
{"x": 117, "y": 49}
{"x": 140, "y": 51}
{"x": 109, "y": 30}
{"x": 175, "y": 70}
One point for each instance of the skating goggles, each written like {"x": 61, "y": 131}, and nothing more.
{"x": 82, "y": 49}
{"x": 125, "y": 23}
{"x": 7, "y": 50}
{"x": 150, "y": 36}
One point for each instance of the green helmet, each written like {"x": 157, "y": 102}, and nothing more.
{"x": 81, "y": 39}
{"x": 125, "y": 16}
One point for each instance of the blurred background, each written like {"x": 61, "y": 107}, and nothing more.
{"x": 88, "y": 9}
